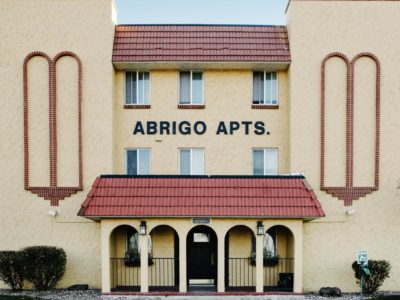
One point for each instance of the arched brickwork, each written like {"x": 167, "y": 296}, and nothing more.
{"x": 349, "y": 192}
{"x": 54, "y": 193}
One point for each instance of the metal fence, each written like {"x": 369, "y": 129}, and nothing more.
{"x": 279, "y": 275}
{"x": 125, "y": 275}
{"x": 241, "y": 274}
{"x": 164, "y": 274}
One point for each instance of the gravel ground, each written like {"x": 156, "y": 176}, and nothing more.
{"x": 96, "y": 294}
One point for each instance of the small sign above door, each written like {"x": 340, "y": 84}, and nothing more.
{"x": 201, "y": 221}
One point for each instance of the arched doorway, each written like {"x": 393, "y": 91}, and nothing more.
{"x": 240, "y": 259}
{"x": 278, "y": 251}
{"x": 164, "y": 259}
{"x": 124, "y": 259}
{"x": 202, "y": 258}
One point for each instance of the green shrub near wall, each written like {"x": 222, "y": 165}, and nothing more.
{"x": 44, "y": 266}
{"x": 379, "y": 269}
{"x": 11, "y": 269}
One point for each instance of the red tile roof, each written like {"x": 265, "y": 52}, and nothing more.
{"x": 180, "y": 196}
{"x": 244, "y": 43}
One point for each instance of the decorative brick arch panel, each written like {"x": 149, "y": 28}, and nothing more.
{"x": 54, "y": 193}
{"x": 349, "y": 192}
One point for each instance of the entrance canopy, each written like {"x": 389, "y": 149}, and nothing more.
{"x": 197, "y": 196}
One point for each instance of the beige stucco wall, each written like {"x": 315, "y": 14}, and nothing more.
{"x": 317, "y": 28}
{"x": 85, "y": 28}
{"x": 327, "y": 246}
{"x": 224, "y": 91}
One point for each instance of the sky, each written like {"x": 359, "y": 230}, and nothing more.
{"x": 263, "y": 12}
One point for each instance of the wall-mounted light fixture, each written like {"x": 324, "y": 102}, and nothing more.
{"x": 142, "y": 228}
{"x": 350, "y": 212}
{"x": 52, "y": 213}
{"x": 260, "y": 228}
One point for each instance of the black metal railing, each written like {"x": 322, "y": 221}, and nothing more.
{"x": 241, "y": 274}
{"x": 279, "y": 274}
{"x": 125, "y": 276}
{"x": 164, "y": 274}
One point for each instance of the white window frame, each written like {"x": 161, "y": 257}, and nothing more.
{"x": 137, "y": 159}
{"x": 137, "y": 86}
{"x": 265, "y": 88}
{"x": 265, "y": 161}
{"x": 191, "y": 87}
{"x": 191, "y": 160}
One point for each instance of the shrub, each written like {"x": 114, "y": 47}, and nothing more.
{"x": 11, "y": 269}
{"x": 44, "y": 266}
{"x": 379, "y": 272}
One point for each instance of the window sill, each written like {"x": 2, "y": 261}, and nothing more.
{"x": 137, "y": 106}
{"x": 264, "y": 106}
{"x": 191, "y": 106}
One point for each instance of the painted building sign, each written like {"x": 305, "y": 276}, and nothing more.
{"x": 199, "y": 128}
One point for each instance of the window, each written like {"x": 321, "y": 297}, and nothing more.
{"x": 137, "y": 88}
{"x": 265, "y": 161}
{"x": 191, "y": 87}
{"x": 137, "y": 162}
{"x": 191, "y": 161}
{"x": 265, "y": 88}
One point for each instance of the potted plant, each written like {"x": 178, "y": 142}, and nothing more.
{"x": 132, "y": 258}
{"x": 271, "y": 259}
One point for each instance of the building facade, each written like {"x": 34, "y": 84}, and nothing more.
{"x": 217, "y": 157}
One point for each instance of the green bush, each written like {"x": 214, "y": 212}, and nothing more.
{"x": 379, "y": 272}
{"x": 44, "y": 266}
{"x": 11, "y": 269}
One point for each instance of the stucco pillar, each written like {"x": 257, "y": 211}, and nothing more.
{"x": 144, "y": 264}
{"x": 105, "y": 259}
{"x": 298, "y": 259}
{"x": 259, "y": 263}
{"x": 182, "y": 264}
{"x": 221, "y": 264}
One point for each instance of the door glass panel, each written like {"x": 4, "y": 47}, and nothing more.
{"x": 199, "y": 237}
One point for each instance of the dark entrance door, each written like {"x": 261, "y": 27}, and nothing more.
{"x": 202, "y": 257}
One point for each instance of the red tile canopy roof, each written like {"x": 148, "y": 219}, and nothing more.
{"x": 191, "y": 196}
{"x": 217, "y": 43}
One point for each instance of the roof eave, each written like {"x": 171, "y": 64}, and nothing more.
{"x": 304, "y": 218}
{"x": 192, "y": 64}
